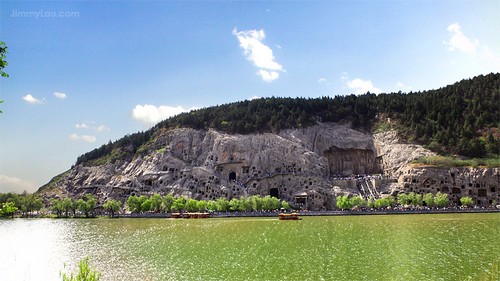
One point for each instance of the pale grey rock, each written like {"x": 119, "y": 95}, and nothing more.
{"x": 309, "y": 166}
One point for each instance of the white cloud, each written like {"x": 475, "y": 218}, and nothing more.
{"x": 470, "y": 46}
{"x": 31, "y": 99}
{"x": 101, "y": 128}
{"x": 361, "y": 86}
{"x": 82, "y": 126}
{"x": 268, "y": 76}
{"x": 92, "y": 126}
{"x": 60, "y": 95}
{"x": 14, "y": 184}
{"x": 400, "y": 86}
{"x": 321, "y": 80}
{"x": 458, "y": 40}
{"x": 254, "y": 98}
{"x": 151, "y": 114}
{"x": 85, "y": 138}
{"x": 259, "y": 53}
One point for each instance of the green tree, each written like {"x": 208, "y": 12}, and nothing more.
{"x": 156, "y": 203}
{"x": 191, "y": 205}
{"x": 85, "y": 273}
{"x": 466, "y": 201}
{"x": 133, "y": 204}
{"x": 417, "y": 200}
{"x": 30, "y": 203}
{"x": 256, "y": 202}
{"x": 3, "y": 62}
{"x": 343, "y": 202}
{"x": 167, "y": 202}
{"x": 222, "y": 204}
{"x": 87, "y": 205}
{"x": 201, "y": 205}
{"x": 285, "y": 205}
{"x": 429, "y": 199}
{"x": 245, "y": 204}
{"x": 357, "y": 201}
{"x": 212, "y": 206}
{"x": 8, "y": 209}
{"x": 112, "y": 206}
{"x": 179, "y": 204}
{"x": 441, "y": 199}
{"x": 234, "y": 205}
{"x": 146, "y": 203}
{"x": 56, "y": 207}
{"x": 403, "y": 199}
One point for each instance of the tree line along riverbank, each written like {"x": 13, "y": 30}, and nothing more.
{"x": 31, "y": 205}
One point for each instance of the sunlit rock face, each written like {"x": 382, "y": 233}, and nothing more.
{"x": 307, "y": 167}
{"x": 483, "y": 185}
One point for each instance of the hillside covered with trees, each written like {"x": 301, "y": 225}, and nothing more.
{"x": 463, "y": 118}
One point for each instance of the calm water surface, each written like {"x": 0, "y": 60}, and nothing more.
{"x": 397, "y": 247}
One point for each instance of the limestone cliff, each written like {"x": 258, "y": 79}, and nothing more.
{"x": 301, "y": 166}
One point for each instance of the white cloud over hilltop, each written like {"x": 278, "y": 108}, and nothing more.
{"x": 259, "y": 53}
{"x": 459, "y": 41}
{"x": 361, "y": 86}
{"x": 151, "y": 114}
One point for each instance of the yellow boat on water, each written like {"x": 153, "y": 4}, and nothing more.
{"x": 289, "y": 216}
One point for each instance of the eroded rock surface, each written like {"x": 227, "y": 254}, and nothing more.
{"x": 308, "y": 167}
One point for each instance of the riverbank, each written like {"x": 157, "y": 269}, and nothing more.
{"x": 325, "y": 213}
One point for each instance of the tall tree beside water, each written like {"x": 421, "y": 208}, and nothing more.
{"x": 112, "y": 206}
{"x": 87, "y": 205}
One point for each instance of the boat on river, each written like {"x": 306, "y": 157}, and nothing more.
{"x": 289, "y": 216}
{"x": 190, "y": 215}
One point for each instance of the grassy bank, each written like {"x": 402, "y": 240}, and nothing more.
{"x": 448, "y": 161}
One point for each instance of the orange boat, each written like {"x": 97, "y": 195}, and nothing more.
{"x": 290, "y": 216}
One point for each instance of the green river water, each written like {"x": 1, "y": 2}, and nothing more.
{"x": 381, "y": 247}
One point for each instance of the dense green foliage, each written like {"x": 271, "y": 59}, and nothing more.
{"x": 25, "y": 202}
{"x": 85, "y": 273}
{"x": 3, "y": 62}
{"x": 168, "y": 203}
{"x": 466, "y": 201}
{"x": 460, "y": 119}
{"x": 404, "y": 200}
{"x": 7, "y": 209}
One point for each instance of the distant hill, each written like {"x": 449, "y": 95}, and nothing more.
{"x": 462, "y": 119}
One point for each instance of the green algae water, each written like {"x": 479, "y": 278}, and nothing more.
{"x": 394, "y": 247}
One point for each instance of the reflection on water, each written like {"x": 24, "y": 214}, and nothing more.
{"x": 34, "y": 249}
{"x": 403, "y": 247}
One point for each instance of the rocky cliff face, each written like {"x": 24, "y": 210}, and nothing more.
{"x": 481, "y": 184}
{"x": 303, "y": 166}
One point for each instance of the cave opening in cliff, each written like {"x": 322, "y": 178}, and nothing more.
{"x": 232, "y": 176}
{"x": 274, "y": 192}
{"x": 352, "y": 161}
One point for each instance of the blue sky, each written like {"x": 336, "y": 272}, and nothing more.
{"x": 86, "y": 72}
